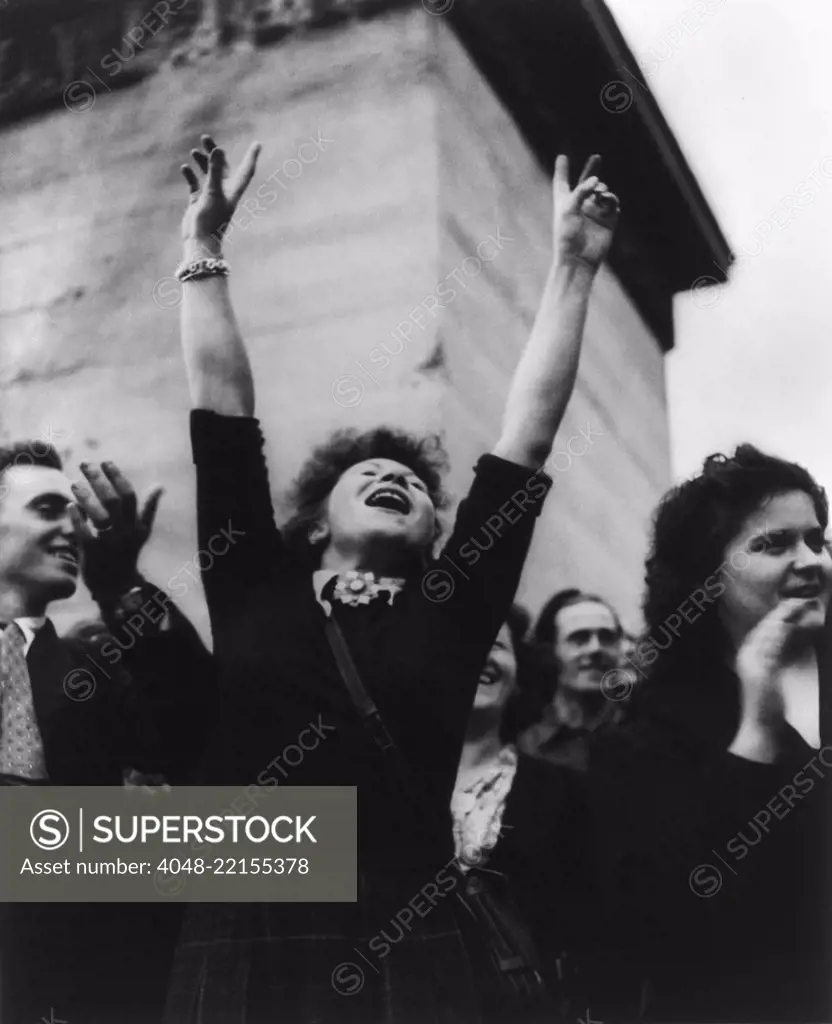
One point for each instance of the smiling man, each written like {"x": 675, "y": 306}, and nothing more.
{"x": 39, "y": 560}
{"x": 39, "y": 563}
{"x": 585, "y": 635}
{"x": 65, "y": 718}
{"x": 69, "y": 717}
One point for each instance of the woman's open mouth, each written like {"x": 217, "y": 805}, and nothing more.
{"x": 489, "y": 675}
{"x": 390, "y": 499}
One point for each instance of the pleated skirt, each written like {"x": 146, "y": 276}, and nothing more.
{"x": 339, "y": 964}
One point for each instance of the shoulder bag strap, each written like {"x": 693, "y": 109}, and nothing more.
{"x": 511, "y": 945}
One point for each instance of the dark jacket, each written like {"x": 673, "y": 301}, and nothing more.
{"x": 543, "y": 853}
{"x": 100, "y": 715}
{"x": 102, "y": 707}
{"x": 420, "y": 659}
{"x": 714, "y": 868}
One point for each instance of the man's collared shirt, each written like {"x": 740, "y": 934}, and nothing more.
{"x": 29, "y": 627}
{"x": 320, "y": 578}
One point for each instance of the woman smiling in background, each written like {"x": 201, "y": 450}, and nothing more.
{"x": 518, "y": 820}
{"x": 733, "y": 716}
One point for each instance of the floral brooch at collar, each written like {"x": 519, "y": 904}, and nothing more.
{"x": 355, "y": 588}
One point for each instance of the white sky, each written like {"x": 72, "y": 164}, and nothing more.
{"x": 744, "y": 85}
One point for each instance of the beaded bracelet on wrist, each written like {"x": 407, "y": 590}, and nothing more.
{"x": 207, "y": 267}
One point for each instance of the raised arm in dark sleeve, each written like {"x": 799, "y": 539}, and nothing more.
{"x": 235, "y": 515}
{"x": 480, "y": 566}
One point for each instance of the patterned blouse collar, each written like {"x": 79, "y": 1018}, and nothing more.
{"x": 477, "y": 807}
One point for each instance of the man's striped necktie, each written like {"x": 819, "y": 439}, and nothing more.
{"x": 21, "y": 745}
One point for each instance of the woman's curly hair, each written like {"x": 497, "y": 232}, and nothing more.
{"x": 693, "y": 525}
{"x": 536, "y": 674}
{"x": 425, "y": 456}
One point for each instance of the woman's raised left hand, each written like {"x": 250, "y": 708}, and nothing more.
{"x": 584, "y": 217}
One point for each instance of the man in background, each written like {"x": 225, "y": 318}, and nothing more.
{"x": 585, "y": 635}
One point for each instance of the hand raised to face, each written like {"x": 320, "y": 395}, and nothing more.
{"x": 759, "y": 661}
{"x": 119, "y": 530}
{"x": 214, "y": 199}
{"x": 584, "y": 217}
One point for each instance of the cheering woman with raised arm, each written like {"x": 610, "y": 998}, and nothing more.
{"x": 354, "y": 566}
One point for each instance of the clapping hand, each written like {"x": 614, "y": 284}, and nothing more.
{"x": 111, "y": 529}
{"x": 759, "y": 666}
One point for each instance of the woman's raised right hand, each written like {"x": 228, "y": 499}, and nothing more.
{"x": 759, "y": 665}
{"x": 214, "y": 200}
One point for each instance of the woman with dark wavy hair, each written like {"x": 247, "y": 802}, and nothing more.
{"x": 712, "y": 803}
{"x": 726, "y": 554}
{"x": 354, "y": 571}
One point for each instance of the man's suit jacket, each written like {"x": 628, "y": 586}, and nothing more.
{"x": 102, "y": 707}
{"x": 120, "y": 701}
